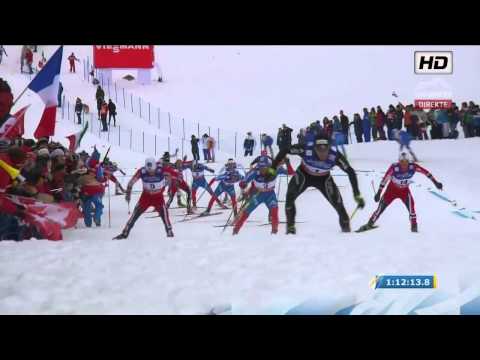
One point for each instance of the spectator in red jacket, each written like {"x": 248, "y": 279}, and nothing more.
{"x": 71, "y": 59}
{"x": 380, "y": 123}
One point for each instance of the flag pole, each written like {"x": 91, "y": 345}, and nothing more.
{"x": 24, "y": 90}
{"x": 19, "y": 96}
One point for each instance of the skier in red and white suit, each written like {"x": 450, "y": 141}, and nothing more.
{"x": 399, "y": 174}
{"x": 153, "y": 178}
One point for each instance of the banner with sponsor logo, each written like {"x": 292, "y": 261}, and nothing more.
{"x": 123, "y": 56}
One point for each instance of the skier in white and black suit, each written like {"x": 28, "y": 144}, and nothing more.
{"x": 318, "y": 158}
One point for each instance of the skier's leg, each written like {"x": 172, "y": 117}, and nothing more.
{"x": 385, "y": 201}
{"x": 412, "y": 153}
{"x": 217, "y": 193}
{"x": 137, "y": 212}
{"x": 245, "y": 213}
{"x": 296, "y": 186}
{"x": 410, "y": 204}
{"x": 330, "y": 190}
{"x": 163, "y": 212}
{"x": 194, "y": 195}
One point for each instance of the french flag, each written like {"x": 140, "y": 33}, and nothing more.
{"x": 46, "y": 84}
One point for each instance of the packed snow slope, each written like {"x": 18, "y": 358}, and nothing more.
{"x": 256, "y": 272}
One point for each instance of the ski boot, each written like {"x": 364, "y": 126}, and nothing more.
{"x": 414, "y": 228}
{"x": 367, "y": 226}
{"x": 190, "y": 210}
{"x": 169, "y": 233}
{"x": 205, "y": 213}
{"x": 291, "y": 229}
{"x": 97, "y": 223}
{"x": 123, "y": 235}
{"x": 346, "y": 227}
{"x": 274, "y": 231}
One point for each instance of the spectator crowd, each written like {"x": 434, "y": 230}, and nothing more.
{"x": 41, "y": 176}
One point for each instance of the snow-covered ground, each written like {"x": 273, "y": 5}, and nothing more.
{"x": 255, "y": 272}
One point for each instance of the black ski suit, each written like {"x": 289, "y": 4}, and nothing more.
{"x": 324, "y": 182}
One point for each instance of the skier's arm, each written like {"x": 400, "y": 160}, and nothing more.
{"x": 386, "y": 178}
{"x": 132, "y": 182}
{"x": 294, "y": 150}
{"x": 427, "y": 173}
{"x": 208, "y": 169}
{"x": 343, "y": 164}
{"x": 248, "y": 178}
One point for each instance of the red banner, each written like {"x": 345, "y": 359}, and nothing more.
{"x": 123, "y": 56}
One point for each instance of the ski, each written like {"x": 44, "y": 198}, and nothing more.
{"x": 248, "y": 221}
{"x": 199, "y": 216}
{"x": 282, "y": 222}
{"x": 362, "y": 229}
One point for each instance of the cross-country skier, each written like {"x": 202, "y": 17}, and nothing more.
{"x": 318, "y": 158}
{"x": 153, "y": 178}
{"x": 199, "y": 181}
{"x": 264, "y": 178}
{"x": 178, "y": 183}
{"x": 404, "y": 138}
{"x": 227, "y": 179}
{"x": 399, "y": 174}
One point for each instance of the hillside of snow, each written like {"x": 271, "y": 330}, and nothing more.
{"x": 254, "y": 272}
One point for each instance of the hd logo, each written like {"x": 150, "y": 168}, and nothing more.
{"x": 433, "y": 62}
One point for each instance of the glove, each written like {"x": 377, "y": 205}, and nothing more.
{"x": 438, "y": 185}
{"x": 377, "y": 195}
{"x": 127, "y": 196}
{"x": 271, "y": 173}
{"x": 360, "y": 201}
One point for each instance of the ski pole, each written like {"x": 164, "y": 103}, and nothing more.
{"x": 109, "y": 213}
{"x": 354, "y": 212}
{"x": 373, "y": 188}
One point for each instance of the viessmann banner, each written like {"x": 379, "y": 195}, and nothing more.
{"x": 123, "y": 56}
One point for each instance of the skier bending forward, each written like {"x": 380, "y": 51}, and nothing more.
{"x": 318, "y": 158}
{"x": 264, "y": 178}
{"x": 153, "y": 178}
{"x": 400, "y": 175}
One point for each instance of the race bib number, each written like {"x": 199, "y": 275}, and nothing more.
{"x": 154, "y": 186}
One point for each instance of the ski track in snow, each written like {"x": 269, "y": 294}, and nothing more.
{"x": 256, "y": 272}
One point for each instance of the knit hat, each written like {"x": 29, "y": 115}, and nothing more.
{"x": 57, "y": 152}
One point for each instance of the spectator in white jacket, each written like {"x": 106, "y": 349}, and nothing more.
{"x": 206, "y": 152}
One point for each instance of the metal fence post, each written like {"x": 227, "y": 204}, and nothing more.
{"x": 169, "y": 124}
{"x": 183, "y": 126}
{"x": 158, "y": 117}
{"x": 124, "y": 104}
{"x": 140, "y": 106}
{"x": 198, "y": 130}
{"x": 182, "y": 147}
{"x": 149, "y": 113}
{"x": 68, "y": 110}
{"x": 169, "y": 144}
{"x": 155, "y": 144}
{"x": 143, "y": 142}
{"x": 131, "y": 101}
{"x": 209, "y": 131}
